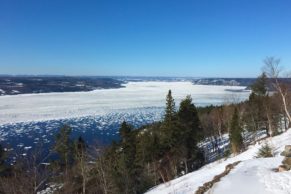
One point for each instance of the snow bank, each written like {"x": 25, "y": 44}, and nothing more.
{"x": 53, "y": 106}
{"x": 253, "y": 176}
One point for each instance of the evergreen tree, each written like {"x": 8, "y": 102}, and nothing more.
{"x": 190, "y": 133}
{"x": 128, "y": 143}
{"x": 189, "y": 119}
{"x": 148, "y": 153}
{"x": 124, "y": 131}
{"x": 124, "y": 169}
{"x": 258, "y": 114}
{"x": 81, "y": 145}
{"x": 235, "y": 136}
{"x": 81, "y": 159}
{"x": 265, "y": 151}
{"x": 64, "y": 146}
{"x": 170, "y": 108}
{"x": 260, "y": 86}
{"x": 254, "y": 115}
{"x": 169, "y": 127}
{"x": 3, "y": 166}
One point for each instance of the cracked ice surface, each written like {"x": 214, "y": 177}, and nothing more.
{"x": 135, "y": 95}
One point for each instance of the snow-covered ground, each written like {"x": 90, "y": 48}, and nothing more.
{"x": 251, "y": 176}
{"x": 53, "y": 106}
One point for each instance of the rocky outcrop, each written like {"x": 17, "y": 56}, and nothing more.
{"x": 286, "y": 163}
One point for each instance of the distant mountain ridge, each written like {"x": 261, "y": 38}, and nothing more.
{"x": 13, "y": 85}
{"x": 225, "y": 81}
{"x": 197, "y": 81}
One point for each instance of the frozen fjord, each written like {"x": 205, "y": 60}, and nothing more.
{"x": 54, "y": 106}
{"x": 31, "y": 119}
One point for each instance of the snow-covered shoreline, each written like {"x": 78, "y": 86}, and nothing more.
{"x": 53, "y": 106}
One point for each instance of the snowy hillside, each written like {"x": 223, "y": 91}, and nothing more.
{"x": 251, "y": 176}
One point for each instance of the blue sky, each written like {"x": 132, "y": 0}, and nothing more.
{"x": 216, "y": 38}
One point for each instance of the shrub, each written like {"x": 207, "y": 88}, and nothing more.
{"x": 265, "y": 151}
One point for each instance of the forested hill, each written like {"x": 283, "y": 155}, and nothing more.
{"x": 225, "y": 81}
{"x": 236, "y": 82}
{"x": 195, "y": 80}
{"x": 12, "y": 85}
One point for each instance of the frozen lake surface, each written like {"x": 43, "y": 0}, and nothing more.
{"x": 136, "y": 95}
{"x": 33, "y": 119}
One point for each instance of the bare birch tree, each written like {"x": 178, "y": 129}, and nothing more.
{"x": 273, "y": 70}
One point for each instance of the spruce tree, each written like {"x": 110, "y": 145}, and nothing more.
{"x": 127, "y": 143}
{"x": 169, "y": 126}
{"x": 170, "y": 108}
{"x": 80, "y": 151}
{"x": 81, "y": 159}
{"x": 235, "y": 137}
{"x": 3, "y": 166}
{"x": 64, "y": 146}
{"x": 260, "y": 86}
{"x": 124, "y": 131}
{"x": 81, "y": 145}
{"x": 189, "y": 119}
{"x": 125, "y": 166}
{"x": 190, "y": 133}
{"x": 258, "y": 109}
